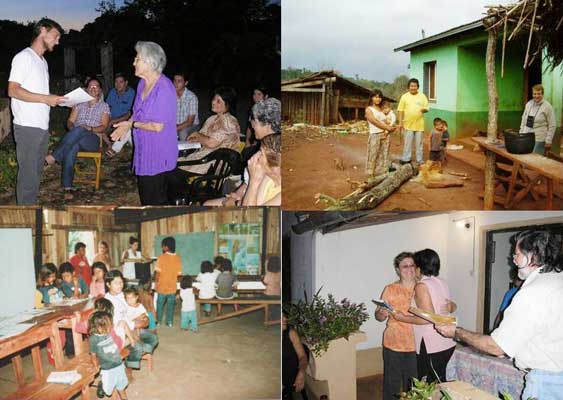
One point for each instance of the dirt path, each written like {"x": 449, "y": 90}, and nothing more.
{"x": 309, "y": 167}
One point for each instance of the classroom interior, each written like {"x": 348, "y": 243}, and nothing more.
{"x": 350, "y": 255}
{"x": 233, "y": 355}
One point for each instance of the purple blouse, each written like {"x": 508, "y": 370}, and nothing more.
{"x": 155, "y": 152}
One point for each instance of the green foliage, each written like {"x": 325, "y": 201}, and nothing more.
{"x": 294, "y": 73}
{"x": 508, "y": 396}
{"x": 323, "y": 320}
{"x": 420, "y": 390}
{"x": 8, "y": 168}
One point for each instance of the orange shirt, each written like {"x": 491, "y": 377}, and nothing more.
{"x": 398, "y": 336}
{"x": 169, "y": 266}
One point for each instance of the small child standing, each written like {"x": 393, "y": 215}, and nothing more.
{"x": 73, "y": 286}
{"x": 105, "y": 353}
{"x": 168, "y": 268}
{"x": 98, "y": 287}
{"x": 189, "y": 315}
{"x": 436, "y": 140}
{"x": 445, "y": 140}
{"x": 207, "y": 289}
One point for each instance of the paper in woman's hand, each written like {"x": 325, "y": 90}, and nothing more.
{"x": 382, "y": 304}
{"x": 75, "y": 97}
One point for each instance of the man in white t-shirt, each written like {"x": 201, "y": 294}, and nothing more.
{"x": 28, "y": 86}
{"x": 531, "y": 331}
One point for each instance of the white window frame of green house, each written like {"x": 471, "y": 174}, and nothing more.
{"x": 429, "y": 82}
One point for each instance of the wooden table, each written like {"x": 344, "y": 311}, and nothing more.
{"x": 46, "y": 328}
{"x": 550, "y": 170}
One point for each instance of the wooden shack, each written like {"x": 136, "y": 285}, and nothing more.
{"x": 323, "y": 98}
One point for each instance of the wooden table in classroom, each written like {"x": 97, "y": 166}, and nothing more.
{"x": 549, "y": 170}
{"x": 46, "y": 328}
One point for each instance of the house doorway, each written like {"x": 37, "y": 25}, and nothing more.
{"x": 498, "y": 262}
{"x": 532, "y": 76}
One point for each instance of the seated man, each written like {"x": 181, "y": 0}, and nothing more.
{"x": 120, "y": 100}
{"x": 187, "y": 120}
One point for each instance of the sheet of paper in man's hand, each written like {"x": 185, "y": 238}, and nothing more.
{"x": 75, "y": 97}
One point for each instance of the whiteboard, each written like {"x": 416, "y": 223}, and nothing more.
{"x": 17, "y": 271}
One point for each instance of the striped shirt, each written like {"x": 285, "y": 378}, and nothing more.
{"x": 187, "y": 105}
{"x": 91, "y": 115}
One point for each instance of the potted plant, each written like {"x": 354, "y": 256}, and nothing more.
{"x": 330, "y": 329}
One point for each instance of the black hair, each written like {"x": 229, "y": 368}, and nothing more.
{"x": 111, "y": 275}
{"x": 170, "y": 243}
{"x": 180, "y": 73}
{"x": 133, "y": 240}
{"x": 227, "y": 265}
{"x": 206, "y": 266}
{"x": 186, "y": 282}
{"x": 44, "y": 273}
{"x": 218, "y": 260}
{"x": 374, "y": 93}
{"x": 401, "y": 256}
{"x": 78, "y": 246}
{"x": 262, "y": 88}
{"x": 229, "y": 96}
{"x": 66, "y": 267}
{"x": 51, "y": 267}
{"x": 99, "y": 265}
{"x": 94, "y": 79}
{"x": 120, "y": 75}
{"x": 428, "y": 261}
{"x": 274, "y": 264}
{"x": 130, "y": 290}
{"x": 99, "y": 322}
{"x": 103, "y": 304}
{"x": 413, "y": 80}
{"x": 436, "y": 120}
{"x": 542, "y": 248}
{"x": 47, "y": 24}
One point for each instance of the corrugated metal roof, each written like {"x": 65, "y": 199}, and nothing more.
{"x": 446, "y": 34}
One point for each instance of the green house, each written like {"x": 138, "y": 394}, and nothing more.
{"x": 450, "y": 67}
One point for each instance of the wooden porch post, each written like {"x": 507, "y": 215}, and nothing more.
{"x": 492, "y": 125}
{"x": 323, "y": 102}
{"x": 106, "y": 55}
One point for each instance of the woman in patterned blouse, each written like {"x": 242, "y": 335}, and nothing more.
{"x": 87, "y": 123}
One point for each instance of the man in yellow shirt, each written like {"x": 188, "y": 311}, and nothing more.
{"x": 412, "y": 107}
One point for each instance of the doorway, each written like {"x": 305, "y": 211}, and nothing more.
{"x": 532, "y": 76}
{"x": 498, "y": 262}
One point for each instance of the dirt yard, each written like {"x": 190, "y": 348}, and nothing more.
{"x": 327, "y": 162}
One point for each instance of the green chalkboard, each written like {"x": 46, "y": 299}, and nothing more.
{"x": 193, "y": 248}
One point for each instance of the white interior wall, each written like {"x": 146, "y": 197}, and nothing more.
{"x": 358, "y": 263}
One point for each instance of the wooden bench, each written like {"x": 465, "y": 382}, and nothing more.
{"x": 254, "y": 304}
{"x": 38, "y": 388}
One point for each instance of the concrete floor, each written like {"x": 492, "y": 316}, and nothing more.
{"x": 237, "y": 358}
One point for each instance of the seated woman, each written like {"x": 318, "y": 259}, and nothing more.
{"x": 87, "y": 123}
{"x": 221, "y": 130}
{"x": 266, "y": 120}
{"x": 264, "y": 187}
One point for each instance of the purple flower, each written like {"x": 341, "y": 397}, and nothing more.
{"x": 323, "y": 319}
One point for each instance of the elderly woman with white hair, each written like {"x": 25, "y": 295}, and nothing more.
{"x": 153, "y": 124}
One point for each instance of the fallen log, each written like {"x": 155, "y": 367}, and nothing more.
{"x": 374, "y": 192}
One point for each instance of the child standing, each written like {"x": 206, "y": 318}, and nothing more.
{"x": 73, "y": 286}
{"x": 168, "y": 268}
{"x": 207, "y": 289}
{"x": 436, "y": 140}
{"x": 189, "y": 315}
{"x": 105, "y": 353}
{"x": 98, "y": 287}
{"x": 445, "y": 140}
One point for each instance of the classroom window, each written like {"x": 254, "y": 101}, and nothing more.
{"x": 429, "y": 84}
{"x": 86, "y": 237}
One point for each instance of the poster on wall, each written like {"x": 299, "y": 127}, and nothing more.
{"x": 241, "y": 244}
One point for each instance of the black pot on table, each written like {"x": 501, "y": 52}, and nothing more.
{"x": 519, "y": 142}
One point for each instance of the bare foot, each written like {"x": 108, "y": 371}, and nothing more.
{"x": 49, "y": 159}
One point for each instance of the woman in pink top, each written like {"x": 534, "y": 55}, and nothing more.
{"x": 433, "y": 351}
{"x": 97, "y": 287}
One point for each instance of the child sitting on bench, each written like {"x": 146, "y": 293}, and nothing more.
{"x": 207, "y": 289}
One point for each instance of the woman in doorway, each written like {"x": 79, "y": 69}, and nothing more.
{"x": 131, "y": 256}
{"x": 538, "y": 117}
{"x": 378, "y": 142}
{"x": 103, "y": 254}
